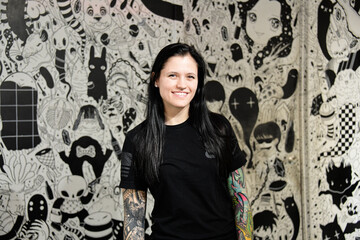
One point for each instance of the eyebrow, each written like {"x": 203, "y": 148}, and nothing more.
{"x": 275, "y": 16}
{"x": 192, "y": 73}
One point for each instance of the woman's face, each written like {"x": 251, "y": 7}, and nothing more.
{"x": 263, "y": 21}
{"x": 177, "y": 84}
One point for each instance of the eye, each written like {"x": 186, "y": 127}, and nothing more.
{"x": 91, "y": 66}
{"x": 64, "y": 193}
{"x": 80, "y": 193}
{"x": 352, "y": 3}
{"x": 338, "y": 14}
{"x": 103, "y": 68}
{"x": 90, "y": 11}
{"x": 252, "y": 17}
{"x": 117, "y": 190}
{"x": 103, "y": 11}
{"x": 275, "y": 23}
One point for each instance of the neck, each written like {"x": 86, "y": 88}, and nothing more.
{"x": 176, "y": 117}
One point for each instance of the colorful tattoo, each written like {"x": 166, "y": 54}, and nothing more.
{"x": 243, "y": 215}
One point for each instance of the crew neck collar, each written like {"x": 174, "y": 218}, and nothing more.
{"x": 179, "y": 125}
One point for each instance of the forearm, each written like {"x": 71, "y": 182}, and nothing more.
{"x": 241, "y": 205}
{"x": 134, "y": 214}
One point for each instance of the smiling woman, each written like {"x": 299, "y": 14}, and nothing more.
{"x": 186, "y": 156}
{"x": 177, "y": 86}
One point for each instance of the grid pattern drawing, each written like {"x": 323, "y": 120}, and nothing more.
{"x": 347, "y": 130}
{"x": 18, "y": 110}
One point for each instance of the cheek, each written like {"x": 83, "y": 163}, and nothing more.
{"x": 162, "y": 93}
{"x": 249, "y": 28}
{"x": 275, "y": 32}
{"x": 163, "y": 86}
{"x": 194, "y": 86}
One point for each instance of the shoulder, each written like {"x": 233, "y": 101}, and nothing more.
{"x": 133, "y": 135}
{"x": 137, "y": 129}
{"x": 216, "y": 117}
{"x": 220, "y": 122}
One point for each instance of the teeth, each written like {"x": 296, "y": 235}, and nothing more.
{"x": 181, "y": 94}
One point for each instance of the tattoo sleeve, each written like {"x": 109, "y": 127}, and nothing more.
{"x": 134, "y": 214}
{"x": 241, "y": 205}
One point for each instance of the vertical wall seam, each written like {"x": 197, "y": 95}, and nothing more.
{"x": 304, "y": 180}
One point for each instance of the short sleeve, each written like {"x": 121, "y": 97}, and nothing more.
{"x": 129, "y": 178}
{"x": 238, "y": 156}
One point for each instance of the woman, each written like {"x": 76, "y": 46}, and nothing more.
{"x": 188, "y": 158}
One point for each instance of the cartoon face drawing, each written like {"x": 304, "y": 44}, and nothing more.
{"x": 267, "y": 136}
{"x": 339, "y": 49}
{"x": 97, "y": 14}
{"x": 263, "y": 21}
{"x": 267, "y": 28}
{"x": 346, "y": 86}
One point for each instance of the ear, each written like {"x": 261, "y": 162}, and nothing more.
{"x": 92, "y": 51}
{"x": 152, "y": 79}
{"x": 103, "y": 53}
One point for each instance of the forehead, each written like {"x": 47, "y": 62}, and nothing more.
{"x": 181, "y": 63}
{"x": 269, "y": 7}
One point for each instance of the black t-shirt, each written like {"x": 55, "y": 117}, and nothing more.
{"x": 191, "y": 200}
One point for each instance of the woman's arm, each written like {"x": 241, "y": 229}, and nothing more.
{"x": 134, "y": 214}
{"x": 243, "y": 216}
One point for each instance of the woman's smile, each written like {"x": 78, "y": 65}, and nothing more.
{"x": 177, "y": 85}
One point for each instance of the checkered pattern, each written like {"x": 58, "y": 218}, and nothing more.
{"x": 347, "y": 130}
{"x": 18, "y": 106}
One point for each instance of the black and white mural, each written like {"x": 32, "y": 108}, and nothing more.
{"x": 332, "y": 105}
{"x": 73, "y": 78}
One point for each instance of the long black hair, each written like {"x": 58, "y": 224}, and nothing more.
{"x": 149, "y": 140}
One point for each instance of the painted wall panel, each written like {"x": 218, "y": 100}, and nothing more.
{"x": 73, "y": 77}
{"x": 332, "y": 81}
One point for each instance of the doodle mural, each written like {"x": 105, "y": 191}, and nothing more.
{"x": 73, "y": 77}
{"x": 333, "y": 106}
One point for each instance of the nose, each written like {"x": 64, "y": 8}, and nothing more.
{"x": 181, "y": 83}
{"x": 258, "y": 29}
